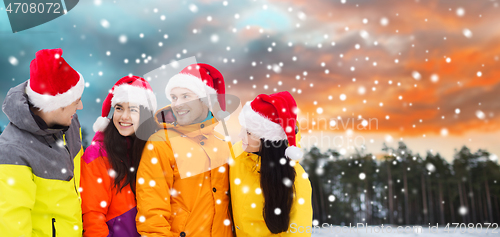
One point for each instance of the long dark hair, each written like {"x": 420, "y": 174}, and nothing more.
{"x": 273, "y": 176}
{"x": 124, "y": 153}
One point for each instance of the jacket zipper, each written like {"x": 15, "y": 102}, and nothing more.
{"x": 53, "y": 227}
{"x": 71, "y": 158}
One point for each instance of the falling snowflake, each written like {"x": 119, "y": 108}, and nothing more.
{"x": 444, "y": 132}
{"x": 480, "y": 114}
{"x": 193, "y": 8}
{"x": 301, "y": 201}
{"x": 331, "y": 198}
{"x": 287, "y": 182}
{"x": 416, "y": 75}
{"x": 462, "y": 211}
{"x": 13, "y": 61}
{"x": 362, "y": 176}
{"x": 384, "y": 21}
{"x": 105, "y": 23}
{"x": 430, "y": 167}
{"x": 214, "y": 38}
{"x": 434, "y": 78}
{"x": 122, "y": 39}
{"x": 302, "y": 16}
{"x": 277, "y": 211}
{"x": 467, "y": 33}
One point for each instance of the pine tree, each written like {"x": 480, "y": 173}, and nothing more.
{"x": 403, "y": 188}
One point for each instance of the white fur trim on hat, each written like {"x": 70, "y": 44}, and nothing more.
{"x": 49, "y": 103}
{"x": 190, "y": 82}
{"x": 126, "y": 93}
{"x": 100, "y": 124}
{"x": 294, "y": 153}
{"x": 259, "y": 125}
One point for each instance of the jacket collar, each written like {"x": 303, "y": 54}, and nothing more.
{"x": 252, "y": 162}
{"x": 98, "y": 137}
{"x": 17, "y": 108}
{"x": 166, "y": 119}
{"x": 43, "y": 125}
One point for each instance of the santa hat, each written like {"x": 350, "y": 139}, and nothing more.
{"x": 53, "y": 83}
{"x": 273, "y": 117}
{"x": 203, "y": 80}
{"x": 128, "y": 89}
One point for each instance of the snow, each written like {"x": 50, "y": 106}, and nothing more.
{"x": 434, "y": 78}
{"x": 467, "y": 33}
{"x": 480, "y": 114}
{"x": 444, "y": 132}
{"x": 154, "y": 160}
{"x": 122, "y": 39}
{"x": 416, "y": 75}
{"x": 362, "y": 176}
{"x": 13, "y": 60}
{"x": 384, "y": 21}
{"x": 331, "y": 198}
{"x": 105, "y": 23}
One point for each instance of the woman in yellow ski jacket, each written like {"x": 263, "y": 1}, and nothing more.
{"x": 270, "y": 191}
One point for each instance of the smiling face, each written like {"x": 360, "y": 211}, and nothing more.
{"x": 187, "y": 106}
{"x": 251, "y": 143}
{"x": 126, "y": 118}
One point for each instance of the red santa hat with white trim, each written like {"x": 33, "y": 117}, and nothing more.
{"x": 274, "y": 118}
{"x": 53, "y": 83}
{"x": 202, "y": 79}
{"x": 129, "y": 89}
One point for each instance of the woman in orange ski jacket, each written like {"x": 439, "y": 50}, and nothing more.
{"x": 109, "y": 165}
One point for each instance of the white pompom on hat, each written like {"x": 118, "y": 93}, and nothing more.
{"x": 273, "y": 117}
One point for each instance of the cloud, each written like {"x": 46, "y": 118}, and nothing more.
{"x": 319, "y": 32}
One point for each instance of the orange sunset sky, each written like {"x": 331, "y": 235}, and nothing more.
{"x": 427, "y": 71}
{"x": 424, "y": 71}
